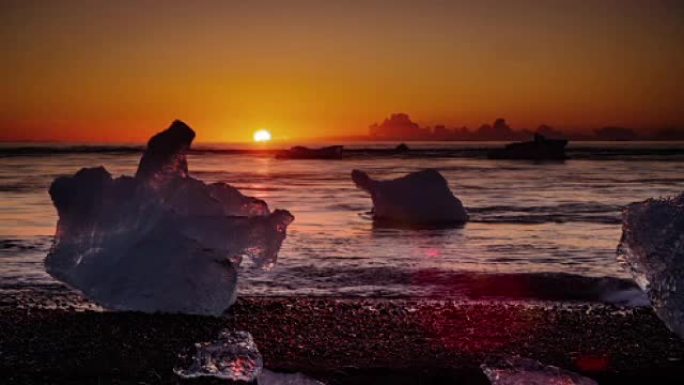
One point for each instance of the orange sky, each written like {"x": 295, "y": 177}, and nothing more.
{"x": 119, "y": 71}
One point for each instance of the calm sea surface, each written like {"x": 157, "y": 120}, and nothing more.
{"x": 540, "y": 225}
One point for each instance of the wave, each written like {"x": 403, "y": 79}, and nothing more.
{"x": 561, "y": 213}
{"x": 398, "y": 283}
{"x": 591, "y": 207}
{"x": 332, "y": 278}
{"x": 539, "y": 219}
{"x": 591, "y": 212}
{"x": 436, "y": 283}
{"x": 36, "y": 243}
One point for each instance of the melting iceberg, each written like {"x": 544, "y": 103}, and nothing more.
{"x": 233, "y": 356}
{"x": 525, "y": 371}
{"x": 162, "y": 240}
{"x": 652, "y": 249}
{"x": 419, "y": 198}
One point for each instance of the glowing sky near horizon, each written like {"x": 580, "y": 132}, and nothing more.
{"x": 119, "y": 71}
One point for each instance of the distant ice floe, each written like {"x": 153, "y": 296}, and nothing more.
{"x": 525, "y": 371}
{"x": 419, "y": 198}
{"x": 652, "y": 249}
{"x": 162, "y": 240}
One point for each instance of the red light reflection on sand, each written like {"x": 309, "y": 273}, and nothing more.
{"x": 476, "y": 327}
{"x": 592, "y": 363}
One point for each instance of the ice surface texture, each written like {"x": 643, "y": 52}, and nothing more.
{"x": 419, "y": 198}
{"x": 233, "y": 356}
{"x": 652, "y": 249}
{"x": 162, "y": 240}
{"x": 525, "y": 371}
{"x": 268, "y": 377}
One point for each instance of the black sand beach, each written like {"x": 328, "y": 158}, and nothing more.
{"x": 340, "y": 341}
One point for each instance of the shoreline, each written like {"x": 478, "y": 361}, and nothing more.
{"x": 341, "y": 339}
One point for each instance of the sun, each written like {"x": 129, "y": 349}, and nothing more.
{"x": 262, "y": 136}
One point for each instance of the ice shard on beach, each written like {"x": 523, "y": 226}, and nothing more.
{"x": 233, "y": 356}
{"x": 419, "y": 198}
{"x": 162, "y": 240}
{"x": 268, "y": 377}
{"x": 525, "y": 371}
{"x": 652, "y": 249}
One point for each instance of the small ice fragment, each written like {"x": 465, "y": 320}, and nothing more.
{"x": 525, "y": 371}
{"x": 162, "y": 240}
{"x": 652, "y": 249}
{"x": 268, "y": 377}
{"x": 233, "y": 356}
{"x": 419, "y": 198}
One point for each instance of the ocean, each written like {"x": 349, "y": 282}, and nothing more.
{"x": 537, "y": 231}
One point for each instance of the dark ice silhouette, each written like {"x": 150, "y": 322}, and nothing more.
{"x": 419, "y": 198}
{"x": 401, "y": 148}
{"x": 165, "y": 153}
{"x": 301, "y": 152}
{"x": 162, "y": 240}
{"x": 538, "y": 149}
{"x": 652, "y": 249}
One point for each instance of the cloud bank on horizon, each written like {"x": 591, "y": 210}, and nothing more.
{"x": 399, "y": 126}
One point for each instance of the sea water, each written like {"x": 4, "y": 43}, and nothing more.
{"x": 536, "y": 230}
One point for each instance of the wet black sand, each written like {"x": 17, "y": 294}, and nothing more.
{"x": 346, "y": 341}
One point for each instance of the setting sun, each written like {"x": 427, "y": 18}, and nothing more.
{"x": 262, "y": 136}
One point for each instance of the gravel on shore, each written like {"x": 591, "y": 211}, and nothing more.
{"x": 339, "y": 340}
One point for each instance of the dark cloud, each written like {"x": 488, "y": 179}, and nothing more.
{"x": 398, "y": 126}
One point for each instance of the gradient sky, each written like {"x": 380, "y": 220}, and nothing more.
{"x": 119, "y": 71}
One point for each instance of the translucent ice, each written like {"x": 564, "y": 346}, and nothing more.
{"x": 233, "y": 356}
{"x": 525, "y": 371}
{"x": 162, "y": 240}
{"x": 268, "y": 377}
{"x": 419, "y": 198}
{"x": 652, "y": 249}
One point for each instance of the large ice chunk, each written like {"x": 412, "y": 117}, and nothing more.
{"x": 162, "y": 240}
{"x": 233, "y": 356}
{"x": 419, "y": 198}
{"x": 525, "y": 371}
{"x": 652, "y": 249}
